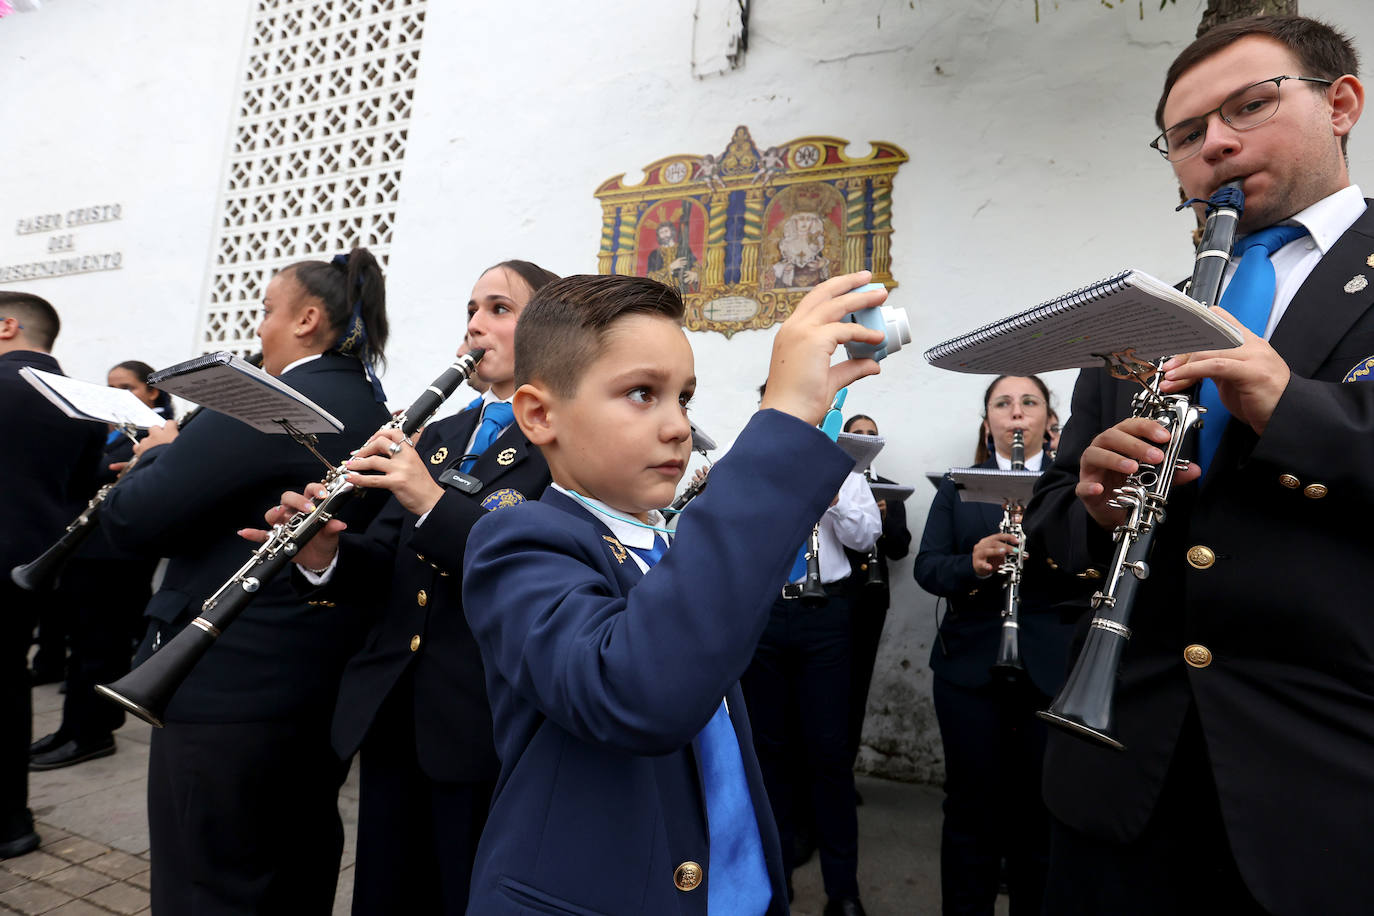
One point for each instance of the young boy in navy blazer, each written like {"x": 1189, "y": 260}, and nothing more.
{"x": 628, "y": 778}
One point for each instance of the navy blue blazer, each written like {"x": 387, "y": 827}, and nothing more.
{"x": 188, "y": 499}
{"x": 600, "y": 678}
{"x": 51, "y": 477}
{"x": 393, "y": 563}
{"x": 967, "y": 644}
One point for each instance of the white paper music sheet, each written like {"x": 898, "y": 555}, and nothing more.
{"x": 1131, "y": 312}
{"x": 88, "y": 401}
{"x": 993, "y": 485}
{"x": 227, "y": 384}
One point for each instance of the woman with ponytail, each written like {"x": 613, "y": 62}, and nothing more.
{"x": 242, "y": 782}
{"x": 992, "y": 739}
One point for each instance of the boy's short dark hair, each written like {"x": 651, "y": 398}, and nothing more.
{"x": 38, "y": 317}
{"x": 1323, "y": 51}
{"x": 561, "y": 331}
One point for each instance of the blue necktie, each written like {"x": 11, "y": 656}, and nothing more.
{"x": 475, "y": 402}
{"x": 738, "y": 884}
{"x": 1249, "y": 297}
{"x": 495, "y": 418}
{"x": 799, "y": 564}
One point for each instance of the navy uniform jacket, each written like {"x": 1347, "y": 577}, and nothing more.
{"x": 1286, "y": 696}
{"x": 600, "y": 678}
{"x": 49, "y": 466}
{"x": 966, "y": 646}
{"x": 415, "y": 575}
{"x": 187, "y": 500}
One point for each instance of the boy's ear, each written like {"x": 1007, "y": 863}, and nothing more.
{"x": 533, "y": 407}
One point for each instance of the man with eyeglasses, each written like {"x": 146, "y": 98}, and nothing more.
{"x": 1245, "y": 699}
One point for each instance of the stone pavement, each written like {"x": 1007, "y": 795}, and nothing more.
{"x": 94, "y": 857}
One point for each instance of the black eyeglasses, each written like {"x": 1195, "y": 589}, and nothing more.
{"x": 1243, "y": 110}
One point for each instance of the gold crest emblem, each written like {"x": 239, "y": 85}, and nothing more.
{"x": 502, "y": 499}
{"x": 439, "y": 456}
{"x": 744, "y": 234}
{"x": 506, "y": 458}
{"x": 617, "y": 549}
{"x": 1370, "y": 260}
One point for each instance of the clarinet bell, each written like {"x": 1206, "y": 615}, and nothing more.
{"x": 875, "y": 583}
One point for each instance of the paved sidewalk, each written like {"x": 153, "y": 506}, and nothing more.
{"x": 94, "y": 857}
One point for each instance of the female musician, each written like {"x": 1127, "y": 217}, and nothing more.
{"x": 243, "y": 785}
{"x": 870, "y": 592}
{"x": 101, "y": 597}
{"x": 993, "y": 741}
{"x": 414, "y": 699}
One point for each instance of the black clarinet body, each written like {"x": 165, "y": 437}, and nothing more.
{"x": 875, "y": 582}
{"x": 1085, "y": 707}
{"x": 1007, "y": 662}
{"x": 813, "y": 589}
{"x": 148, "y": 689}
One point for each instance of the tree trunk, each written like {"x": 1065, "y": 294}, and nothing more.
{"x": 1219, "y": 11}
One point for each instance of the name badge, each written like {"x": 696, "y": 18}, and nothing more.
{"x": 463, "y": 483}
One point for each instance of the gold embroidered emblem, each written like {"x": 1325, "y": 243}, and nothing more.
{"x": 439, "y": 456}
{"x": 1360, "y": 370}
{"x": 506, "y": 458}
{"x": 617, "y": 549}
{"x": 1370, "y": 260}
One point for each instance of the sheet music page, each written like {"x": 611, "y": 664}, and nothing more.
{"x": 1141, "y": 314}
{"x": 863, "y": 449}
{"x": 236, "y": 388}
{"x": 892, "y": 492}
{"x": 993, "y": 485}
{"x": 89, "y": 401}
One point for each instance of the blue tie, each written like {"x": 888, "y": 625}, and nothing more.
{"x": 496, "y": 418}
{"x": 738, "y": 884}
{"x": 1249, "y": 297}
{"x": 798, "y": 572}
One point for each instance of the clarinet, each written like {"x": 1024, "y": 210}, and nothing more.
{"x": 813, "y": 589}
{"x": 1008, "y": 661}
{"x": 147, "y": 689}
{"x": 875, "y": 582}
{"x": 40, "y": 574}
{"x": 1085, "y": 706}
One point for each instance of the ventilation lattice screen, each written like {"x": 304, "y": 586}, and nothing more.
{"x": 314, "y": 166}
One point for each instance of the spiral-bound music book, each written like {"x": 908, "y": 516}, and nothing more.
{"x": 235, "y": 387}
{"x": 993, "y": 485}
{"x": 1130, "y": 313}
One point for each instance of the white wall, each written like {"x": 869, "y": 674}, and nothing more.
{"x": 1029, "y": 174}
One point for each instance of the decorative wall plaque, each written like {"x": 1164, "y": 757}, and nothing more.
{"x": 744, "y": 235}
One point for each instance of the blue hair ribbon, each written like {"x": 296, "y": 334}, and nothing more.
{"x": 353, "y": 339}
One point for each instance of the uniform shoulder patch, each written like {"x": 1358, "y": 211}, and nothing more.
{"x": 502, "y": 499}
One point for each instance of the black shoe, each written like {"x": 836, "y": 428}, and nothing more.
{"x": 47, "y": 743}
{"x": 69, "y": 753}
{"x": 844, "y": 906}
{"x": 21, "y": 836}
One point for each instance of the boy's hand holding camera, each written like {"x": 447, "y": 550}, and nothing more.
{"x": 801, "y": 381}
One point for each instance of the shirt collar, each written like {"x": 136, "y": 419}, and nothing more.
{"x": 301, "y": 362}
{"x": 1329, "y": 217}
{"x": 489, "y": 398}
{"x": 628, "y": 533}
{"x": 1033, "y": 462}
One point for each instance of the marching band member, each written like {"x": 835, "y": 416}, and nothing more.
{"x": 243, "y": 769}
{"x": 45, "y": 482}
{"x": 413, "y": 700}
{"x": 992, "y": 739}
{"x": 1245, "y": 698}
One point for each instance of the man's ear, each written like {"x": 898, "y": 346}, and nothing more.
{"x": 1347, "y": 102}
{"x": 535, "y": 408}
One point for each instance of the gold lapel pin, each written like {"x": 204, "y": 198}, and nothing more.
{"x": 617, "y": 549}
{"x": 1370, "y": 260}
{"x": 506, "y": 458}
{"x": 439, "y": 456}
